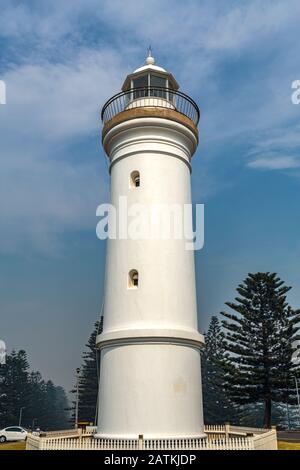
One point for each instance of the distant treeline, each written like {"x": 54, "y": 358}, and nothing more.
{"x": 43, "y": 404}
{"x": 249, "y": 367}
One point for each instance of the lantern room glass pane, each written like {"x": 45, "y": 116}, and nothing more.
{"x": 158, "y": 82}
{"x": 140, "y": 82}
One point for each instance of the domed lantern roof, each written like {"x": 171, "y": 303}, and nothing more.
{"x": 150, "y": 75}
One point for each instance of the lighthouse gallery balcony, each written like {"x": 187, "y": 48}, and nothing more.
{"x": 150, "y": 98}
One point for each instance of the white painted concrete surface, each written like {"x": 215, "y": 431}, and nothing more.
{"x": 150, "y": 376}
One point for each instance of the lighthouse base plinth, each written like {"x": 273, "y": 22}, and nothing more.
{"x": 151, "y": 389}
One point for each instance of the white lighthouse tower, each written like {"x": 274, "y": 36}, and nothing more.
{"x": 150, "y": 373}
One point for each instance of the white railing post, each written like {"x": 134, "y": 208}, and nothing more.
{"x": 141, "y": 442}
{"x": 227, "y": 430}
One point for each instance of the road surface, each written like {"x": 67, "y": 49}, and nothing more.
{"x": 287, "y": 436}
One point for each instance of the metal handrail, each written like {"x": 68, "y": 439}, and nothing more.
{"x": 162, "y": 98}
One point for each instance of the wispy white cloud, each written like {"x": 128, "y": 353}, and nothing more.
{"x": 60, "y": 101}
{"x": 43, "y": 195}
{"x": 74, "y": 55}
{"x": 275, "y": 163}
{"x": 275, "y": 149}
{"x": 277, "y": 140}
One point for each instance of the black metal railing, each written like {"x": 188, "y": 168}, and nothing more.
{"x": 157, "y": 97}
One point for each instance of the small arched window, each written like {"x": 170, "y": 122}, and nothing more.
{"x": 133, "y": 279}
{"x": 135, "y": 180}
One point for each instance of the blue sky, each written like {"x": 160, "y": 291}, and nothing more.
{"x": 60, "y": 62}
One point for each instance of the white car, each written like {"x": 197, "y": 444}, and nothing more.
{"x": 13, "y": 433}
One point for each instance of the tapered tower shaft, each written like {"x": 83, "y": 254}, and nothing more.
{"x": 150, "y": 379}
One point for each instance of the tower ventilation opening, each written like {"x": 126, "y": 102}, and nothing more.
{"x": 133, "y": 279}
{"x": 135, "y": 179}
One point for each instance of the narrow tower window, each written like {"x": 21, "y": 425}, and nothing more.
{"x": 135, "y": 179}
{"x": 133, "y": 279}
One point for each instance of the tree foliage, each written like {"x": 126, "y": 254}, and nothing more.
{"x": 89, "y": 379}
{"x": 218, "y": 408}
{"x": 259, "y": 340}
{"x": 43, "y": 404}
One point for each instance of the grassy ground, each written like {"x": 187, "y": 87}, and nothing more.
{"x": 13, "y": 446}
{"x": 288, "y": 445}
